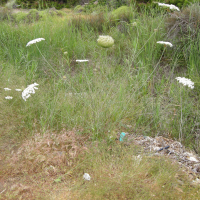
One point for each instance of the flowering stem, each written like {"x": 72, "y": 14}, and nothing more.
{"x": 154, "y": 68}
{"x": 47, "y": 61}
{"x": 53, "y": 68}
{"x": 180, "y": 132}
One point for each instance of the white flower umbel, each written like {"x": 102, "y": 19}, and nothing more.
{"x": 8, "y": 97}
{"x": 87, "y": 177}
{"x": 29, "y": 90}
{"x": 34, "y": 41}
{"x": 82, "y": 60}
{"x": 18, "y": 90}
{"x": 105, "y": 41}
{"x": 190, "y": 84}
{"x": 7, "y": 89}
{"x": 38, "y": 40}
{"x": 170, "y": 6}
{"x": 165, "y": 43}
{"x": 185, "y": 82}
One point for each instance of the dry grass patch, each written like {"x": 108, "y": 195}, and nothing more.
{"x": 97, "y": 21}
{"x": 41, "y": 162}
{"x": 51, "y": 166}
{"x": 48, "y": 152}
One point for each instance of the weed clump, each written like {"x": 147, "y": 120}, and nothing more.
{"x": 182, "y": 29}
{"x": 122, "y": 13}
{"x": 97, "y": 22}
{"x": 184, "y": 25}
{"x": 33, "y": 15}
{"x": 79, "y": 8}
{"x": 4, "y": 13}
{"x": 10, "y": 4}
{"x": 30, "y": 17}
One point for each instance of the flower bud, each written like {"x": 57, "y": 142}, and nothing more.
{"x": 105, "y": 41}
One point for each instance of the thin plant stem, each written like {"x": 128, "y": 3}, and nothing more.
{"x": 181, "y": 123}
{"x": 125, "y": 107}
{"x": 48, "y": 62}
{"x": 51, "y": 66}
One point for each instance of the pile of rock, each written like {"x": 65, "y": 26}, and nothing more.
{"x": 161, "y": 146}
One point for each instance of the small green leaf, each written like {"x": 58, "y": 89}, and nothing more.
{"x": 58, "y": 180}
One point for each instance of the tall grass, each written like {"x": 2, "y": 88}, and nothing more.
{"x": 129, "y": 87}
{"x": 130, "y": 83}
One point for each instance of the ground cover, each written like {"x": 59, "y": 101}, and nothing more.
{"x": 71, "y": 124}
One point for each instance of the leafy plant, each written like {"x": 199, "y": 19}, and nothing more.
{"x": 183, "y": 27}
{"x": 123, "y": 13}
{"x": 43, "y": 4}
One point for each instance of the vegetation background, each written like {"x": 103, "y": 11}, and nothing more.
{"x": 71, "y": 125}
{"x": 58, "y": 4}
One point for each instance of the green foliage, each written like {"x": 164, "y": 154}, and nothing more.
{"x": 96, "y": 22}
{"x": 125, "y": 84}
{"x": 44, "y": 4}
{"x": 122, "y": 13}
{"x": 20, "y": 17}
{"x": 79, "y": 8}
{"x": 32, "y": 16}
{"x": 183, "y": 28}
{"x": 129, "y": 87}
{"x": 2, "y": 2}
{"x": 4, "y": 13}
{"x": 113, "y": 3}
{"x": 10, "y": 4}
{"x": 26, "y": 3}
{"x": 180, "y": 3}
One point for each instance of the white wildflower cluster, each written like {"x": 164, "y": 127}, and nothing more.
{"x": 170, "y": 6}
{"x": 87, "y": 177}
{"x": 18, "y": 90}
{"x": 105, "y": 41}
{"x": 7, "y": 89}
{"x": 82, "y": 60}
{"x": 185, "y": 82}
{"x": 165, "y": 43}
{"x": 29, "y": 90}
{"x": 34, "y": 41}
{"x": 8, "y": 97}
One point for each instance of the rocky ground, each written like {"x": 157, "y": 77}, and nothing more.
{"x": 160, "y": 146}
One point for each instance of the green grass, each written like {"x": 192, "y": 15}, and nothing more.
{"x": 131, "y": 83}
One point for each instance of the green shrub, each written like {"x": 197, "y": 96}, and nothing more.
{"x": 123, "y": 13}
{"x": 30, "y": 17}
{"x": 20, "y": 17}
{"x": 2, "y": 2}
{"x": 180, "y": 3}
{"x": 96, "y": 22}
{"x": 183, "y": 29}
{"x": 25, "y": 3}
{"x": 113, "y": 3}
{"x": 44, "y": 4}
{"x": 33, "y": 15}
{"x": 10, "y": 4}
{"x": 4, "y": 13}
{"x": 185, "y": 24}
{"x": 79, "y": 8}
